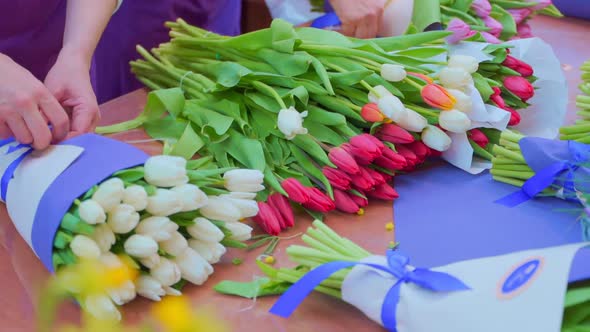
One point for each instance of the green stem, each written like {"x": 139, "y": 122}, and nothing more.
{"x": 269, "y": 92}
{"x": 522, "y": 175}
{"x": 123, "y": 126}
{"x": 500, "y": 151}
{"x": 575, "y": 129}
{"x": 412, "y": 83}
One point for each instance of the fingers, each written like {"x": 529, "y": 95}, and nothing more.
{"x": 37, "y": 128}
{"x": 85, "y": 117}
{"x": 56, "y": 115}
{"x": 5, "y": 132}
{"x": 18, "y": 126}
{"x": 348, "y": 29}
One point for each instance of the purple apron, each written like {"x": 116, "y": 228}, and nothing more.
{"x": 31, "y": 33}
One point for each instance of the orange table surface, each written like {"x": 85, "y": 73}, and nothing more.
{"x": 21, "y": 273}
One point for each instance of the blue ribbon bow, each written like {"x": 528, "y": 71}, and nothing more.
{"x": 579, "y": 153}
{"x": 9, "y": 172}
{"x": 397, "y": 268}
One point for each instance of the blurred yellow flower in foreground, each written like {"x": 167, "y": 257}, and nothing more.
{"x": 175, "y": 314}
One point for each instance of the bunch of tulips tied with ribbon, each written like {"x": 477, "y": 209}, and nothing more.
{"x": 494, "y": 21}
{"x": 580, "y": 131}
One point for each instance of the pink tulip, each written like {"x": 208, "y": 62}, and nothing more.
{"x": 460, "y": 29}
{"x": 482, "y": 8}
{"x": 495, "y": 26}
{"x": 524, "y": 30}
{"x": 520, "y": 15}
{"x": 490, "y": 38}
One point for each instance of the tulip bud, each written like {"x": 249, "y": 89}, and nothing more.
{"x": 109, "y": 193}
{"x": 158, "y": 228}
{"x": 392, "y": 108}
{"x": 318, "y": 201}
{"x": 413, "y": 121}
{"x": 140, "y": 246}
{"x": 420, "y": 149}
{"x": 368, "y": 142}
{"x": 165, "y": 171}
{"x": 460, "y": 29}
{"x": 337, "y": 178}
{"x": 244, "y": 180}
{"x": 248, "y": 208}
{"x": 520, "y": 14}
{"x": 149, "y": 288}
{"x": 164, "y": 203}
{"x": 393, "y": 73}
{"x": 344, "y": 202}
{"x": 151, "y": 261}
{"x": 495, "y": 26}
{"x": 371, "y": 113}
{"x": 220, "y": 208}
{"x": 514, "y": 116}
{"x": 391, "y": 160}
{"x": 205, "y": 231}
{"x": 91, "y": 212}
{"x": 239, "y": 230}
{"x": 422, "y": 77}
{"x": 193, "y": 267}
{"x": 455, "y": 78}
{"x": 438, "y": 97}
{"x": 519, "y": 66}
{"x": 482, "y": 8}
{"x": 489, "y": 38}
{"x": 135, "y": 196}
{"x": 360, "y": 201}
{"x": 166, "y": 272}
{"x": 211, "y": 252}
{"x": 363, "y": 181}
{"x": 464, "y": 103}
{"x": 436, "y": 139}
{"x": 394, "y": 134}
{"x": 297, "y": 192}
{"x": 520, "y": 87}
{"x": 381, "y": 91}
{"x": 343, "y": 160}
{"x": 524, "y": 30}
{"x": 282, "y": 209}
{"x": 175, "y": 245}
{"x": 497, "y": 98}
{"x": 411, "y": 158}
{"x": 267, "y": 219}
{"x": 242, "y": 195}
{"x": 478, "y": 137}
{"x": 84, "y": 247}
{"x": 290, "y": 122}
{"x": 362, "y": 156}
{"x": 102, "y": 308}
{"x": 191, "y": 196}
{"x": 123, "y": 294}
{"x": 377, "y": 177}
{"x": 104, "y": 237}
{"x": 454, "y": 121}
{"x": 466, "y": 62}
{"x": 123, "y": 219}
{"x": 171, "y": 291}
{"x": 384, "y": 192}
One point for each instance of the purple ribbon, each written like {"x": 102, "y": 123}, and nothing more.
{"x": 397, "y": 268}
{"x": 9, "y": 172}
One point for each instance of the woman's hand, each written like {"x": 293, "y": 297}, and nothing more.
{"x": 69, "y": 82}
{"x": 360, "y": 18}
{"x": 27, "y": 106}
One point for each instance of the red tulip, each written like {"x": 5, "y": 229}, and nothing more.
{"x": 410, "y": 156}
{"x": 338, "y": 179}
{"x": 478, "y": 137}
{"x": 364, "y": 180}
{"x": 360, "y": 201}
{"x": 386, "y": 177}
{"x": 318, "y": 201}
{"x": 520, "y": 87}
{"x": 438, "y": 97}
{"x": 377, "y": 177}
{"x": 394, "y": 134}
{"x": 371, "y": 113}
{"x": 344, "y": 202}
{"x": 420, "y": 149}
{"x": 514, "y": 116}
{"x": 391, "y": 160}
{"x": 497, "y": 98}
{"x": 297, "y": 192}
{"x": 267, "y": 219}
{"x": 384, "y": 192}
{"x": 343, "y": 160}
{"x": 283, "y": 209}
{"x": 364, "y": 148}
{"x": 519, "y": 66}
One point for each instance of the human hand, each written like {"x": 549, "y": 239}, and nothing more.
{"x": 69, "y": 82}
{"x": 360, "y": 18}
{"x": 26, "y": 107}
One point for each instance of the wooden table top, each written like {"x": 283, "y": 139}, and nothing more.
{"x": 21, "y": 274}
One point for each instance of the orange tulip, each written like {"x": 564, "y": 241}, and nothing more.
{"x": 422, "y": 77}
{"x": 371, "y": 113}
{"x": 437, "y": 96}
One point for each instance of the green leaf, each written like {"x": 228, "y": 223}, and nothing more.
{"x": 233, "y": 244}
{"x": 422, "y": 52}
{"x": 507, "y": 21}
{"x": 263, "y": 122}
{"x": 198, "y": 163}
{"x": 161, "y": 101}
{"x": 577, "y": 296}
{"x": 482, "y": 86}
{"x": 130, "y": 175}
{"x": 311, "y": 147}
{"x": 247, "y": 151}
{"x": 165, "y": 128}
{"x": 323, "y": 37}
{"x": 349, "y": 78}
{"x": 188, "y": 144}
{"x": 514, "y": 4}
{"x": 228, "y": 108}
{"x": 219, "y": 151}
{"x": 321, "y": 116}
{"x": 312, "y": 169}
{"x": 286, "y": 64}
{"x": 213, "y": 124}
{"x": 271, "y": 179}
{"x": 324, "y": 133}
{"x": 263, "y": 101}
{"x": 257, "y": 288}
{"x": 284, "y": 38}
{"x": 323, "y": 74}
{"x": 426, "y": 12}
{"x": 336, "y": 105}
{"x": 299, "y": 93}
{"x": 462, "y": 5}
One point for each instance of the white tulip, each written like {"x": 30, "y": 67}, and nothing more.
{"x": 191, "y": 196}
{"x": 205, "y": 230}
{"x": 123, "y": 219}
{"x": 244, "y": 180}
{"x": 149, "y": 288}
{"x": 166, "y": 272}
{"x": 392, "y": 107}
{"x": 454, "y": 121}
{"x": 242, "y": 195}
{"x": 381, "y": 92}
{"x": 158, "y": 228}
{"x": 123, "y": 294}
{"x": 164, "y": 203}
{"x": 211, "y": 252}
{"x": 172, "y": 291}
{"x": 150, "y": 261}
{"x": 165, "y": 171}
{"x": 175, "y": 245}
{"x": 104, "y": 237}
{"x": 455, "y": 78}
{"x": 193, "y": 267}
{"x": 436, "y": 139}
{"x": 469, "y": 63}
{"x": 464, "y": 103}
{"x": 290, "y": 122}
{"x": 393, "y": 73}
{"x": 84, "y": 247}
{"x": 109, "y": 193}
{"x": 101, "y": 307}
{"x": 248, "y": 208}
{"x": 91, "y": 212}
{"x": 220, "y": 208}
{"x": 140, "y": 246}
{"x": 239, "y": 230}
{"x": 413, "y": 121}
{"x": 135, "y": 196}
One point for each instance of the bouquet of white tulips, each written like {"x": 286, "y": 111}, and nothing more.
{"x": 93, "y": 198}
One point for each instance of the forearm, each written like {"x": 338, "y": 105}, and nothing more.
{"x": 85, "y": 23}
